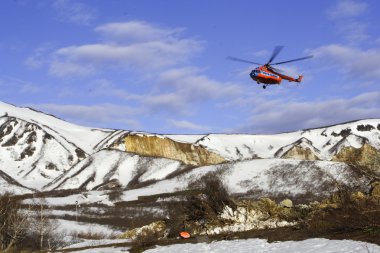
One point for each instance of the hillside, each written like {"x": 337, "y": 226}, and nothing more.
{"x": 40, "y": 151}
{"x": 115, "y": 180}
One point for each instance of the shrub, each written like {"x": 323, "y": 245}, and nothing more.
{"x": 202, "y": 208}
{"x": 13, "y": 223}
{"x": 365, "y": 127}
{"x": 115, "y": 194}
{"x": 147, "y": 238}
{"x": 214, "y": 194}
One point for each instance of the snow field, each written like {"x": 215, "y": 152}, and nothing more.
{"x": 317, "y": 245}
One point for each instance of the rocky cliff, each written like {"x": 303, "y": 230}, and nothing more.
{"x": 301, "y": 149}
{"x": 151, "y": 145}
{"x": 365, "y": 156}
{"x": 300, "y": 153}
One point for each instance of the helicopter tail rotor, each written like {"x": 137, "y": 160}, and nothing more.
{"x": 299, "y": 79}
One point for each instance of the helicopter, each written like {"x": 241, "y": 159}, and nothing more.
{"x": 268, "y": 75}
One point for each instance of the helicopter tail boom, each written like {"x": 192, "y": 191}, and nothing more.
{"x": 299, "y": 79}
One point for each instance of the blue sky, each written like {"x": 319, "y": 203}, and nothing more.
{"x": 160, "y": 66}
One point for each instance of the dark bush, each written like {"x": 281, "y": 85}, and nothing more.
{"x": 349, "y": 214}
{"x": 115, "y": 194}
{"x": 365, "y": 127}
{"x": 344, "y": 133}
{"x": 13, "y": 224}
{"x": 211, "y": 201}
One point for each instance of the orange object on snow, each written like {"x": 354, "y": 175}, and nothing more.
{"x": 185, "y": 234}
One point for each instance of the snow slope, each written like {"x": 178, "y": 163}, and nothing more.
{"x": 263, "y": 177}
{"x": 83, "y": 137}
{"x": 259, "y": 177}
{"x": 317, "y": 245}
{"x": 113, "y": 168}
{"x": 10, "y": 185}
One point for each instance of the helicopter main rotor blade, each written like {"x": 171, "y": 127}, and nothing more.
{"x": 276, "y": 69}
{"x": 241, "y": 60}
{"x": 298, "y": 59}
{"x": 276, "y": 51}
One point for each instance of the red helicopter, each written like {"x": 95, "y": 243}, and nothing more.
{"x": 268, "y": 75}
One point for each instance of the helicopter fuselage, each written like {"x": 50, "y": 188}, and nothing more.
{"x": 263, "y": 75}
{"x": 267, "y": 76}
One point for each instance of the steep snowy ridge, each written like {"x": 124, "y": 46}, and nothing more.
{"x": 11, "y": 185}
{"x": 109, "y": 169}
{"x": 83, "y": 137}
{"x": 325, "y": 142}
{"x": 32, "y": 155}
{"x": 110, "y": 139}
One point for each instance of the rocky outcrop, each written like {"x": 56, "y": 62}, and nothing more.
{"x": 300, "y": 153}
{"x": 365, "y": 156}
{"x": 375, "y": 189}
{"x": 301, "y": 149}
{"x": 151, "y": 145}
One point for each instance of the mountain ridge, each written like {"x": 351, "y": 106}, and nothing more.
{"x": 41, "y": 151}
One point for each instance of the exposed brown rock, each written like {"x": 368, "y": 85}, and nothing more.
{"x": 150, "y": 145}
{"x": 375, "y": 189}
{"x": 365, "y": 156}
{"x": 301, "y": 153}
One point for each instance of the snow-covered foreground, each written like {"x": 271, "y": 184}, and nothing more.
{"x": 105, "y": 250}
{"x": 92, "y": 243}
{"x": 317, "y": 245}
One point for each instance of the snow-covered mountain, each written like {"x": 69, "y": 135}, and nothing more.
{"x": 35, "y": 147}
{"x": 39, "y": 151}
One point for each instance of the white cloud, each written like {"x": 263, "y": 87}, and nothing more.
{"x": 38, "y": 58}
{"x": 171, "y": 103}
{"x": 11, "y": 85}
{"x": 285, "y": 115}
{"x": 345, "y": 15}
{"x": 156, "y": 51}
{"x": 194, "y": 86}
{"x": 262, "y": 53}
{"x": 67, "y": 68}
{"x": 356, "y": 63}
{"x": 347, "y": 9}
{"x": 73, "y": 12}
{"x": 136, "y": 31}
{"x": 102, "y": 115}
{"x": 103, "y": 87}
{"x": 354, "y": 31}
{"x": 149, "y": 52}
{"x": 183, "y": 124}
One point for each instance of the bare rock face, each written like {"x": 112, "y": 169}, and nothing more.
{"x": 365, "y": 156}
{"x": 375, "y": 189}
{"x": 300, "y": 153}
{"x": 150, "y": 145}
